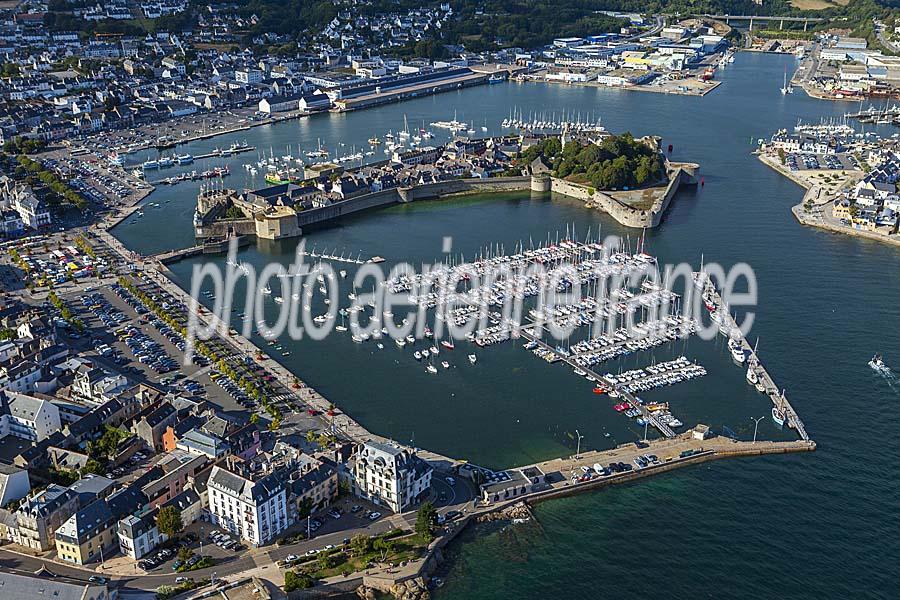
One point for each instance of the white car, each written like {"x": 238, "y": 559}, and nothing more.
{"x": 374, "y": 516}
{"x": 292, "y": 557}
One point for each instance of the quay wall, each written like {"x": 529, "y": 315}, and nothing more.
{"x": 225, "y": 227}
{"x": 398, "y": 195}
{"x": 679, "y": 174}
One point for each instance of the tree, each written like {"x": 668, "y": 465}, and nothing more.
{"x": 168, "y": 521}
{"x": 185, "y": 554}
{"x": 294, "y": 581}
{"x": 781, "y": 155}
{"x": 425, "y": 519}
{"x": 360, "y": 544}
{"x": 384, "y": 547}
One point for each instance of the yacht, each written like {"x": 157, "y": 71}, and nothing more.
{"x": 116, "y": 159}
{"x": 473, "y": 359}
{"x": 184, "y": 159}
{"x": 149, "y": 164}
{"x": 752, "y": 377}
{"x": 431, "y": 369}
{"x": 445, "y": 364}
{"x": 267, "y": 290}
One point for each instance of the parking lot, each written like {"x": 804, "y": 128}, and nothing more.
{"x": 796, "y": 161}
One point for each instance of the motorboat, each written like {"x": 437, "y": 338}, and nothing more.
{"x": 877, "y": 364}
{"x": 473, "y": 359}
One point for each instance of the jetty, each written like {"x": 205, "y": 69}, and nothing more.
{"x": 730, "y": 327}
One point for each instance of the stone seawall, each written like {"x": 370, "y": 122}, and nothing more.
{"x": 223, "y": 228}
{"x": 411, "y": 194}
{"x": 679, "y": 174}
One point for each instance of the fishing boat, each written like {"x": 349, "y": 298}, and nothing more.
{"x": 496, "y": 78}
{"x": 473, "y": 359}
{"x": 779, "y": 415}
{"x": 877, "y": 364}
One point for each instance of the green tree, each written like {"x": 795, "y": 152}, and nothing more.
{"x": 781, "y": 155}
{"x": 425, "y": 519}
{"x": 360, "y": 544}
{"x": 168, "y": 521}
{"x": 185, "y": 554}
{"x": 294, "y": 581}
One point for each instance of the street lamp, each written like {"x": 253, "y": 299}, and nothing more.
{"x": 756, "y": 426}
{"x": 578, "y": 450}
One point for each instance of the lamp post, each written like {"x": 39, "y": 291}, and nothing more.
{"x": 578, "y": 449}
{"x": 756, "y": 426}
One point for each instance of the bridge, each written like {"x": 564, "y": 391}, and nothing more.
{"x": 781, "y": 20}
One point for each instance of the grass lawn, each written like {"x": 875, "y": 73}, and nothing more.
{"x": 404, "y": 549}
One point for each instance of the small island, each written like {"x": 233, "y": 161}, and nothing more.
{"x": 629, "y": 178}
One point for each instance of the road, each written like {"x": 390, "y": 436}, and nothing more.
{"x": 879, "y": 33}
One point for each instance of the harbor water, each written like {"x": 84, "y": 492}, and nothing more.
{"x": 821, "y": 525}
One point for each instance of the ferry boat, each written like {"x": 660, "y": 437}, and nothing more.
{"x": 184, "y": 159}
{"x": 877, "y": 364}
{"x": 166, "y": 162}
{"x": 149, "y": 164}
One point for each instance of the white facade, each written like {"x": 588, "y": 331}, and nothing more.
{"x": 256, "y": 511}
{"x": 390, "y": 475}
{"x": 30, "y": 418}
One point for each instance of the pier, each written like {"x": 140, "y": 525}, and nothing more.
{"x": 626, "y": 396}
{"x": 727, "y": 322}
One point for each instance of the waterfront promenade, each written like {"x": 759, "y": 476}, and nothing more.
{"x": 819, "y": 198}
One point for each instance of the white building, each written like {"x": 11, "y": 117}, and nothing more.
{"x": 14, "y": 484}
{"x": 139, "y": 536}
{"x": 388, "y": 475}
{"x": 253, "y": 508}
{"x": 27, "y": 417}
{"x": 248, "y": 75}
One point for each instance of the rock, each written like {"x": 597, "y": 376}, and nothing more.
{"x": 365, "y": 593}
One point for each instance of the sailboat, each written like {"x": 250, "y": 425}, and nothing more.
{"x": 785, "y": 88}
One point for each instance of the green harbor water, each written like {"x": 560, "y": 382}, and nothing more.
{"x": 821, "y": 525}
